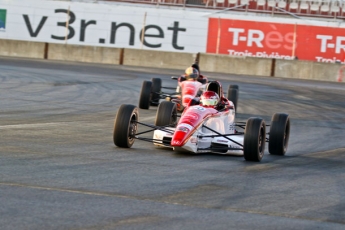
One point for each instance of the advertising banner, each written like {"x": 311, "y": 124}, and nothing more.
{"x": 321, "y": 44}
{"x": 108, "y": 25}
{"x": 276, "y": 40}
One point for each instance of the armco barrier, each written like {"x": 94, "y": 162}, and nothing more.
{"x": 92, "y": 54}
{"x": 235, "y": 65}
{"x": 307, "y": 70}
{"x": 24, "y": 49}
{"x": 158, "y": 59}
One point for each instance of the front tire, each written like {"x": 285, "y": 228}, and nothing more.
{"x": 254, "y": 139}
{"x": 279, "y": 134}
{"x": 145, "y": 95}
{"x": 125, "y": 126}
{"x": 166, "y": 114}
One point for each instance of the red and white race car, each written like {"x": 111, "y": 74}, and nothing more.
{"x": 188, "y": 87}
{"x": 204, "y": 129}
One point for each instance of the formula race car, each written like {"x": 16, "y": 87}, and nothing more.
{"x": 151, "y": 93}
{"x": 204, "y": 129}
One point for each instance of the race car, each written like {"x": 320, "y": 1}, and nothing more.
{"x": 186, "y": 90}
{"x": 203, "y": 129}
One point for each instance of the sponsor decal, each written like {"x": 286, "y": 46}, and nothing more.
{"x": 176, "y": 142}
{"x": 325, "y": 45}
{"x": 231, "y": 126}
{"x": 149, "y": 31}
{"x": 203, "y": 151}
{"x": 193, "y": 140}
{"x": 199, "y": 108}
{"x": 222, "y": 141}
{"x": 184, "y": 127}
{"x": 3, "y": 19}
{"x": 251, "y": 39}
{"x": 191, "y": 116}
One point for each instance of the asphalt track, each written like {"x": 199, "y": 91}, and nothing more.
{"x": 59, "y": 168}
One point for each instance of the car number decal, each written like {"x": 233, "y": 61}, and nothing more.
{"x": 199, "y": 108}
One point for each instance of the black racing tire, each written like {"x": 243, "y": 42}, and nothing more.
{"x": 254, "y": 139}
{"x": 233, "y": 87}
{"x": 145, "y": 95}
{"x": 166, "y": 114}
{"x": 233, "y": 96}
{"x": 155, "y": 91}
{"x": 125, "y": 126}
{"x": 279, "y": 134}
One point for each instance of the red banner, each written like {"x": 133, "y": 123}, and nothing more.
{"x": 275, "y": 40}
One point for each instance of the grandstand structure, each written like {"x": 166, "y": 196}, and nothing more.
{"x": 321, "y": 9}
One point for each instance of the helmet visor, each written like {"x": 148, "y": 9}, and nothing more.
{"x": 209, "y": 102}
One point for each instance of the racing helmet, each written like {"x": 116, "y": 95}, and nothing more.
{"x": 209, "y": 99}
{"x": 191, "y": 73}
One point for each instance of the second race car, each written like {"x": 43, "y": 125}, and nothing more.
{"x": 190, "y": 85}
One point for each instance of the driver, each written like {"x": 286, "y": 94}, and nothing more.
{"x": 211, "y": 99}
{"x": 192, "y": 73}
{"x": 202, "y": 78}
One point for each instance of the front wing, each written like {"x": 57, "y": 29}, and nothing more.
{"x": 200, "y": 142}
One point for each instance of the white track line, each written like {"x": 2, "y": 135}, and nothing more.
{"x": 20, "y": 126}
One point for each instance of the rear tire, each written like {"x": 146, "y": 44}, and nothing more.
{"x": 155, "y": 91}
{"x": 233, "y": 96}
{"x": 279, "y": 134}
{"x": 254, "y": 139}
{"x": 166, "y": 114}
{"x": 145, "y": 95}
{"x": 233, "y": 87}
{"x": 125, "y": 126}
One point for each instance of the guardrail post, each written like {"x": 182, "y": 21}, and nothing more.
{"x": 273, "y": 67}
{"x": 46, "y": 47}
{"x": 122, "y": 51}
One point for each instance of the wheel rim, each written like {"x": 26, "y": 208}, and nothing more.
{"x": 133, "y": 127}
{"x": 286, "y": 134}
{"x": 284, "y": 140}
{"x": 261, "y": 142}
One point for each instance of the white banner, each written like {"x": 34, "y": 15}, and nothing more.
{"x": 109, "y": 25}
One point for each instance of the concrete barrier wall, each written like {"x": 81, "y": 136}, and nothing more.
{"x": 172, "y": 60}
{"x": 235, "y": 65}
{"x": 307, "y": 70}
{"x": 158, "y": 59}
{"x": 25, "y": 49}
{"x": 91, "y": 54}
